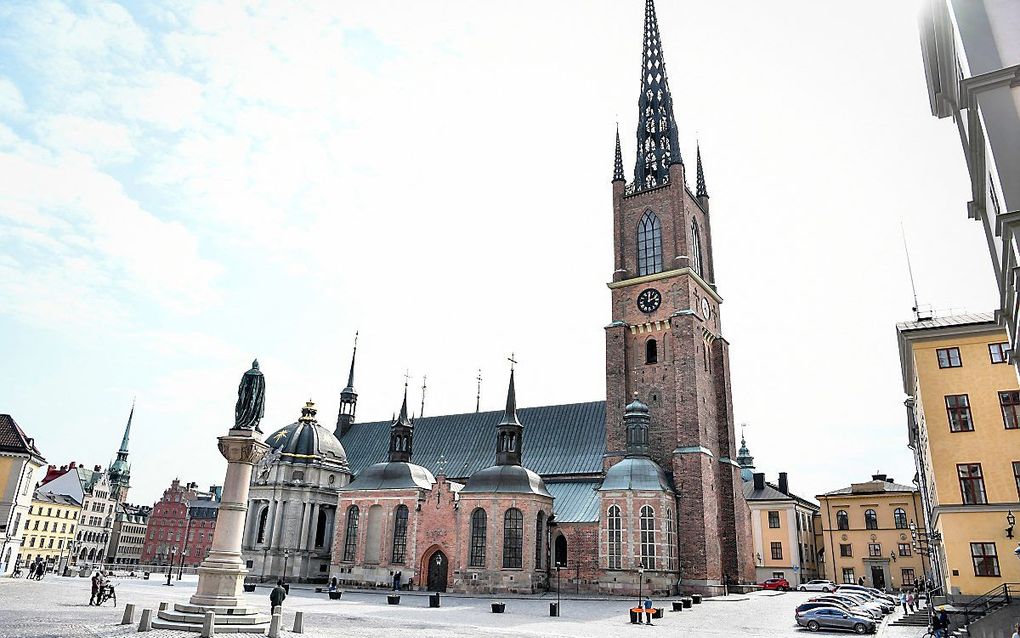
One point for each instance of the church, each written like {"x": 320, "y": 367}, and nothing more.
{"x": 640, "y": 491}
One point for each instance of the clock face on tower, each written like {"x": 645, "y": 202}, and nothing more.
{"x": 649, "y": 300}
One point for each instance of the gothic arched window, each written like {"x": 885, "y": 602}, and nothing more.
{"x": 539, "y": 536}
{"x": 842, "y": 520}
{"x": 696, "y": 264}
{"x": 477, "y": 538}
{"x": 651, "y": 351}
{"x": 649, "y": 244}
{"x": 900, "y": 516}
{"x": 351, "y": 537}
{"x": 400, "y": 534}
{"x": 870, "y": 519}
{"x": 615, "y": 535}
{"x": 320, "y": 528}
{"x": 263, "y": 517}
{"x": 513, "y": 539}
{"x": 671, "y": 563}
{"x": 647, "y": 537}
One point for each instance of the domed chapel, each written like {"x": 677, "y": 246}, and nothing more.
{"x": 641, "y": 490}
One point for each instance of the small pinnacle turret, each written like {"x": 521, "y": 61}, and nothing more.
{"x": 509, "y": 432}
{"x": 657, "y": 147}
{"x": 618, "y": 160}
{"x": 702, "y": 189}
{"x": 401, "y": 434}
{"x": 348, "y": 398}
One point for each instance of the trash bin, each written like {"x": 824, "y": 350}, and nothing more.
{"x": 635, "y": 616}
{"x": 249, "y": 587}
{"x": 393, "y": 599}
{"x": 678, "y": 605}
{"x": 434, "y": 600}
{"x": 687, "y": 602}
{"x": 335, "y": 595}
{"x": 286, "y": 588}
{"x": 498, "y": 608}
{"x": 657, "y": 612}
{"x": 696, "y": 598}
{"x": 554, "y": 609}
{"x": 146, "y": 576}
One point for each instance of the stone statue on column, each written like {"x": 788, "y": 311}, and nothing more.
{"x": 251, "y": 399}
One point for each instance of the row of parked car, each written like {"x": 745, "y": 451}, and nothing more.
{"x": 845, "y": 607}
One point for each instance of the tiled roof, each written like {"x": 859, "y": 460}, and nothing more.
{"x": 951, "y": 320}
{"x": 56, "y": 499}
{"x": 769, "y": 493}
{"x": 558, "y": 440}
{"x": 871, "y": 487}
{"x": 575, "y": 501}
{"x": 13, "y": 439}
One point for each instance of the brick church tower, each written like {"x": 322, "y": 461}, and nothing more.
{"x": 665, "y": 342}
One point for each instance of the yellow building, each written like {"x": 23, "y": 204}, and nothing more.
{"x": 867, "y": 532}
{"x": 782, "y": 531}
{"x": 20, "y": 464}
{"x": 49, "y": 530}
{"x": 964, "y": 428}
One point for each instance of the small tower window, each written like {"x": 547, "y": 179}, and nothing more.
{"x": 696, "y": 264}
{"x": 261, "y": 537}
{"x": 651, "y": 351}
{"x": 649, "y": 244}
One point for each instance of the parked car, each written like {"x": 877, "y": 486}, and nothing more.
{"x": 853, "y": 604}
{"x": 780, "y": 584}
{"x": 876, "y": 593}
{"x": 833, "y": 618}
{"x": 815, "y": 604}
{"x": 818, "y": 585}
{"x": 886, "y": 605}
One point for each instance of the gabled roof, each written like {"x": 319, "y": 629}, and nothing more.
{"x": 56, "y": 499}
{"x": 14, "y": 441}
{"x": 772, "y": 493}
{"x": 870, "y": 487}
{"x": 558, "y": 440}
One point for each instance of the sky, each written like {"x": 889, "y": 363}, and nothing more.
{"x": 186, "y": 186}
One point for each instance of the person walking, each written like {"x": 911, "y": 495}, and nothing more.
{"x": 97, "y": 582}
{"x": 903, "y": 601}
{"x": 860, "y": 581}
{"x": 941, "y": 624}
{"x": 40, "y": 570}
{"x": 396, "y": 581}
{"x": 1016, "y": 630}
{"x": 648, "y": 610}
{"x": 910, "y": 600}
{"x": 277, "y": 596}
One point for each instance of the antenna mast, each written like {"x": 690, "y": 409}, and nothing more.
{"x": 910, "y": 272}
{"x": 478, "y": 392}
{"x": 423, "y": 386}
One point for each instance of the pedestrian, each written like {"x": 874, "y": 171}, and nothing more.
{"x": 648, "y": 610}
{"x": 903, "y": 601}
{"x": 910, "y": 600}
{"x": 941, "y": 624}
{"x": 1016, "y": 630}
{"x": 396, "y": 581}
{"x": 40, "y": 570}
{"x": 332, "y": 584}
{"x": 276, "y": 596}
{"x": 860, "y": 581}
{"x": 97, "y": 582}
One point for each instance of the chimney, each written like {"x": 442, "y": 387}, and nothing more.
{"x": 784, "y": 485}
{"x": 889, "y": 480}
{"x": 97, "y": 468}
{"x": 759, "y": 481}
{"x": 878, "y": 477}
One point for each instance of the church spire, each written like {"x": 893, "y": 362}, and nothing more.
{"x": 509, "y": 432}
{"x": 348, "y": 398}
{"x": 618, "y": 175}
{"x": 657, "y": 148}
{"x": 127, "y": 433}
{"x": 702, "y": 191}
{"x": 401, "y": 434}
{"x": 120, "y": 471}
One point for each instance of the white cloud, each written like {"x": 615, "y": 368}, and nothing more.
{"x": 11, "y": 100}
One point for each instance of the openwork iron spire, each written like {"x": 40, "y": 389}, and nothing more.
{"x": 657, "y": 142}
{"x": 702, "y": 190}
{"x": 618, "y": 161}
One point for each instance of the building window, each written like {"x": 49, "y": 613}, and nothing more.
{"x": 647, "y": 537}
{"x": 651, "y": 351}
{"x": 649, "y": 245}
{"x": 972, "y": 483}
{"x": 670, "y": 541}
{"x": 351, "y": 537}
{"x": 616, "y": 538}
{"x": 958, "y": 409}
{"x": 1016, "y": 476}
{"x": 513, "y": 539}
{"x": 848, "y": 576}
{"x": 400, "y": 534}
{"x": 777, "y": 550}
{"x": 696, "y": 264}
{"x": 846, "y": 550}
{"x": 874, "y": 550}
{"x": 1009, "y": 401}
{"x": 949, "y": 357}
{"x": 539, "y": 536}
{"x": 904, "y": 549}
{"x": 998, "y": 352}
{"x": 842, "y": 520}
{"x": 907, "y": 577}
{"x": 774, "y": 520}
{"x": 900, "y": 518}
{"x": 986, "y": 562}
{"x": 870, "y": 519}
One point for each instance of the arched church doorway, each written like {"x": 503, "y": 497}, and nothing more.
{"x": 561, "y": 550}
{"x": 439, "y": 568}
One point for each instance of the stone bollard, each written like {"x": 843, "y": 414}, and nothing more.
{"x": 299, "y": 622}
{"x": 164, "y": 606}
{"x": 129, "y": 614}
{"x": 277, "y": 610}
{"x": 145, "y": 624}
{"x": 274, "y": 626}
{"x": 209, "y": 624}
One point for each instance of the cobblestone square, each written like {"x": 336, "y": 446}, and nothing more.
{"x": 59, "y": 607}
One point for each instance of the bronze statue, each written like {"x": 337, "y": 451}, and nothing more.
{"x": 251, "y": 399}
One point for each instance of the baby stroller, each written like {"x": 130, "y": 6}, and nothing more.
{"x": 106, "y": 592}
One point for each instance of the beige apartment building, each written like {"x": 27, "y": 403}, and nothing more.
{"x": 782, "y": 530}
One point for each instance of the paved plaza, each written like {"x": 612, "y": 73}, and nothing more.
{"x": 59, "y": 607}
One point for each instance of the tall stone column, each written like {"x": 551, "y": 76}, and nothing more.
{"x": 221, "y": 574}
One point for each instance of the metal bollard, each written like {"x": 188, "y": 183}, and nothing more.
{"x": 129, "y": 614}
{"x": 299, "y": 622}
{"x": 145, "y": 624}
{"x": 209, "y": 624}
{"x": 274, "y": 626}
{"x": 164, "y": 606}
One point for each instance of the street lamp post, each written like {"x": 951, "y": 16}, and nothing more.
{"x": 286, "y": 555}
{"x": 187, "y": 533}
{"x": 170, "y": 570}
{"x": 640, "y": 582}
{"x": 558, "y": 566}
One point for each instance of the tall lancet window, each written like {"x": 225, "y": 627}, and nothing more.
{"x": 649, "y": 244}
{"x": 351, "y": 537}
{"x": 513, "y": 539}
{"x": 696, "y": 264}
{"x": 477, "y": 538}
{"x": 400, "y": 534}
{"x": 615, "y": 538}
{"x": 647, "y": 537}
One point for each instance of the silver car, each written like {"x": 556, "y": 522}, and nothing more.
{"x": 833, "y": 618}
{"x": 818, "y": 585}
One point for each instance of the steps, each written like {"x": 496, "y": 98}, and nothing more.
{"x": 228, "y": 620}
{"x": 917, "y": 618}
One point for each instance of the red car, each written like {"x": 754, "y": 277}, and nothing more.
{"x": 780, "y": 584}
